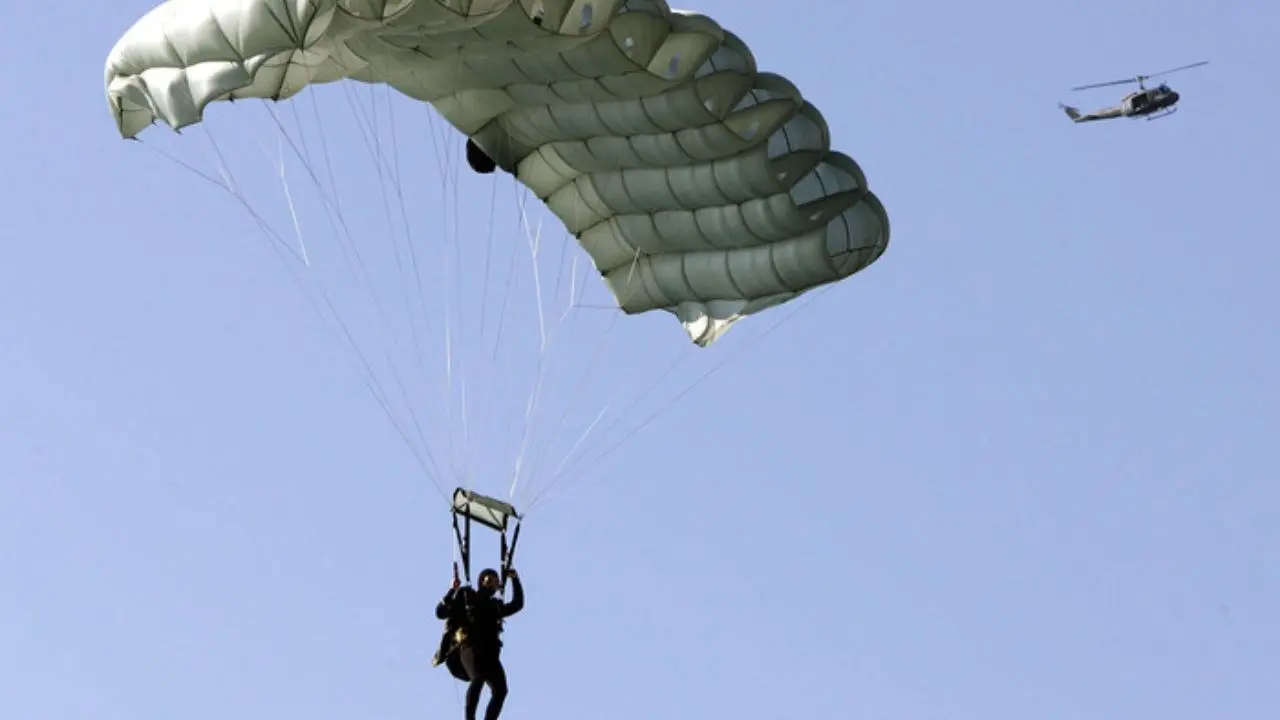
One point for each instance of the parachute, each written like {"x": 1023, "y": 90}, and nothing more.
{"x": 698, "y": 185}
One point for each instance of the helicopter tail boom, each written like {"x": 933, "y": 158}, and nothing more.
{"x": 1103, "y": 114}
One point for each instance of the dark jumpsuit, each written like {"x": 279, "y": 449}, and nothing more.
{"x": 480, "y": 654}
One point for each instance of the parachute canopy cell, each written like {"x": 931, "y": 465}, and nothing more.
{"x": 698, "y": 184}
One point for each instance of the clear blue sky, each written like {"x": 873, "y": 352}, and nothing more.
{"x": 1025, "y": 466}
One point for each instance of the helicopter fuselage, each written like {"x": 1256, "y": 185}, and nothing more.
{"x": 1148, "y": 102}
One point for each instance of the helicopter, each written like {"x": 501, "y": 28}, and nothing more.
{"x": 1151, "y": 103}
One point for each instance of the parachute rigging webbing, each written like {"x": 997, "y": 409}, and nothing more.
{"x": 697, "y": 184}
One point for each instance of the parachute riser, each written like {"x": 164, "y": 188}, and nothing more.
{"x": 508, "y": 554}
{"x": 463, "y": 536}
{"x": 494, "y": 514}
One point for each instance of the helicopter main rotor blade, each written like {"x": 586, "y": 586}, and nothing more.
{"x": 1177, "y": 69}
{"x": 1106, "y": 84}
{"x": 1141, "y": 78}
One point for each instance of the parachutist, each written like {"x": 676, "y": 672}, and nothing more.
{"x": 471, "y": 646}
{"x": 478, "y": 160}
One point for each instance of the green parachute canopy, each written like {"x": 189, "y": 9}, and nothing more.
{"x": 697, "y": 184}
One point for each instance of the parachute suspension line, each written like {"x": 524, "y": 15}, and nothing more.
{"x": 573, "y": 285}
{"x": 384, "y": 165}
{"x": 456, "y": 367}
{"x": 227, "y": 185}
{"x": 579, "y": 469}
{"x": 336, "y": 199}
{"x": 293, "y": 210}
{"x": 372, "y": 380}
{"x": 277, "y": 244}
{"x": 508, "y": 285}
{"x": 448, "y": 182}
{"x": 447, "y": 185}
{"x": 671, "y": 367}
{"x": 618, "y": 417}
{"x": 585, "y": 434}
{"x": 576, "y": 394}
{"x": 455, "y": 239}
{"x": 342, "y": 231}
{"x": 367, "y": 123}
{"x": 350, "y": 251}
{"x": 385, "y": 172}
{"x": 466, "y": 367}
{"x": 574, "y": 288}
{"x": 555, "y": 292}
{"x": 278, "y": 163}
{"x": 573, "y": 277}
{"x": 535, "y": 391}
{"x": 336, "y": 217}
{"x": 488, "y": 258}
{"x": 415, "y": 265}
{"x": 486, "y": 357}
{"x": 477, "y": 361}
{"x": 488, "y": 379}
{"x": 531, "y": 428}
{"x": 388, "y": 170}
{"x": 534, "y": 239}
{"x": 333, "y": 206}
{"x": 392, "y": 169}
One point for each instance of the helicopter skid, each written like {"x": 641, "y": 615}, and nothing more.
{"x": 1162, "y": 113}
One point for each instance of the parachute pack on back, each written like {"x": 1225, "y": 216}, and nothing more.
{"x": 697, "y": 184}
